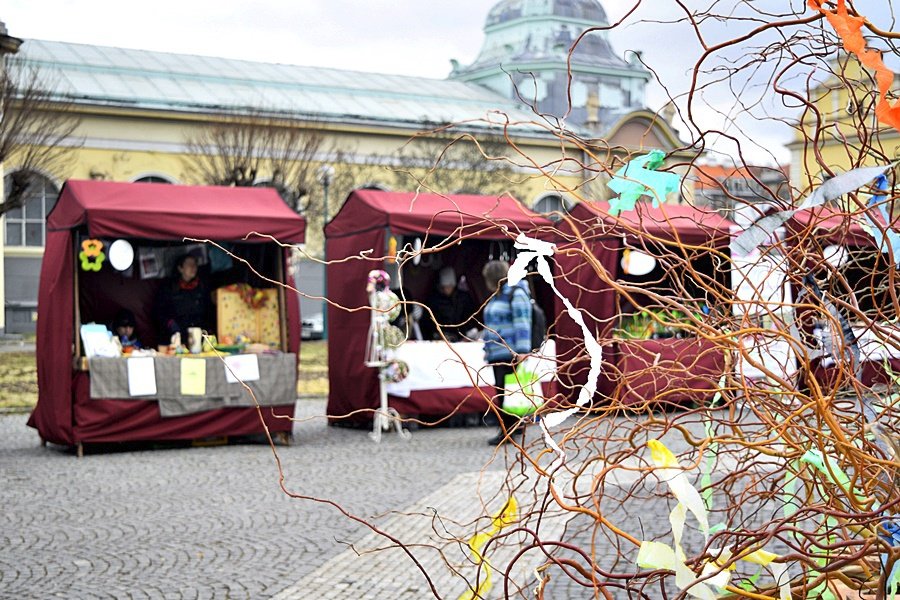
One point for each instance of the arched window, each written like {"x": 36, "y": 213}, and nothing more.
{"x": 26, "y": 226}
{"x": 374, "y": 185}
{"x": 153, "y": 179}
{"x": 551, "y": 206}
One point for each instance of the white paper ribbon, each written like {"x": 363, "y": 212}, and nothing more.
{"x": 539, "y": 251}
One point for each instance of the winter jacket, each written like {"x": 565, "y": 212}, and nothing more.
{"x": 507, "y": 324}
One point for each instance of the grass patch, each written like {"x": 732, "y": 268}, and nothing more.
{"x": 312, "y": 377}
{"x": 18, "y": 380}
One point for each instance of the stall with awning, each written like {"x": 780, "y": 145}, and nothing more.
{"x": 75, "y": 290}
{"x": 369, "y": 232}
{"x": 639, "y": 248}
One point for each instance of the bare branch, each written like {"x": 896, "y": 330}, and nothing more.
{"x": 37, "y": 129}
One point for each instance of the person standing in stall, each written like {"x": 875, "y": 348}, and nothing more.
{"x": 453, "y": 310}
{"x": 507, "y": 335}
{"x": 182, "y": 302}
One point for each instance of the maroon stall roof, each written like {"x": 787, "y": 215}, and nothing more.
{"x": 832, "y": 226}
{"x": 167, "y": 212}
{"x": 409, "y": 213}
{"x": 666, "y": 221}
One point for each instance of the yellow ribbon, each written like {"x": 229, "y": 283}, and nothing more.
{"x": 508, "y": 515}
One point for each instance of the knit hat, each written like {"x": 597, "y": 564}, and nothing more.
{"x": 447, "y": 277}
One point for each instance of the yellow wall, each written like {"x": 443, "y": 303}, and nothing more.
{"x": 847, "y": 135}
{"x": 124, "y": 145}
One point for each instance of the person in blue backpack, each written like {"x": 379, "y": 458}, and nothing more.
{"x": 507, "y": 334}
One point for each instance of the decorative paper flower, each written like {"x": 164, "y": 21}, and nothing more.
{"x": 395, "y": 371}
{"x": 92, "y": 248}
{"x": 91, "y": 255}
{"x": 378, "y": 280}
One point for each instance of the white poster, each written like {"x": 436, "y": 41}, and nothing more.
{"x": 141, "y": 376}
{"x": 241, "y": 367}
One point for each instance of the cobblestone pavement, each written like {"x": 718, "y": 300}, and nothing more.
{"x": 213, "y": 522}
{"x": 205, "y": 522}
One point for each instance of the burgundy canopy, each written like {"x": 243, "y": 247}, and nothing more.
{"x": 64, "y": 413}
{"x": 830, "y": 226}
{"x": 362, "y": 226}
{"x": 668, "y": 222}
{"x": 171, "y": 212}
{"x": 604, "y": 237}
{"x": 435, "y": 214}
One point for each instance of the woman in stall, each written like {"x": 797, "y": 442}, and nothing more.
{"x": 183, "y": 302}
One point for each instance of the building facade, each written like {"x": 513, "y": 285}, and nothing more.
{"x": 529, "y": 53}
{"x": 840, "y": 131}
{"x": 141, "y": 113}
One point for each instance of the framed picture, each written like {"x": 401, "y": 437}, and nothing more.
{"x": 150, "y": 264}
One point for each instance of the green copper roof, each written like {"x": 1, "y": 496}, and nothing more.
{"x": 100, "y": 75}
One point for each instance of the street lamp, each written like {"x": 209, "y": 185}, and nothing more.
{"x": 8, "y": 45}
{"x": 325, "y": 175}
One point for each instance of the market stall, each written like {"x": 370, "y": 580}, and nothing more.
{"x": 641, "y": 361}
{"x": 459, "y": 231}
{"x": 863, "y": 275}
{"x": 164, "y": 397}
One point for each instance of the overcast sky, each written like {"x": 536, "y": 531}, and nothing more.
{"x": 408, "y": 37}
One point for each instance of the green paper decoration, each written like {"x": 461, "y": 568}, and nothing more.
{"x": 640, "y": 178}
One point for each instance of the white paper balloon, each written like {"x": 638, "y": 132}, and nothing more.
{"x": 637, "y": 263}
{"x": 121, "y": 255}
{"x": 835, "y": 255}
{"x": 417, "y": 251}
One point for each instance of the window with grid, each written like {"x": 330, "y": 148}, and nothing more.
{"x": 26, "y": 226}
{"x": 152, "y": 179}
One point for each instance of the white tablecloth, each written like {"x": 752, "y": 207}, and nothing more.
{"x": 879, "y": 342}
{"x": 439, "y": 365}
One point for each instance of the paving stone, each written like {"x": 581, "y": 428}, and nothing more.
{"x": 213, "y": 522}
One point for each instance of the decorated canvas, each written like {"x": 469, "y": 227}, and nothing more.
{"x": 248, "y": 312}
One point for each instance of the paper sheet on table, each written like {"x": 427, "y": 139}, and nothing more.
{"x": 241, "y": 367}
{"x": 97, "y": 341}
{"x": 193, "y": 377}
{"x": 141, "y": 376}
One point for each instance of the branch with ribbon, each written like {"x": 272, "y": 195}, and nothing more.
{"x": 849, "y": 29}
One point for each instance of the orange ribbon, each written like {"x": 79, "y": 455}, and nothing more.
{"x": 849, "y": 28}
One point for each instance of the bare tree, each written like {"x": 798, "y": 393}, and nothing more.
{"x": 253, "y": 148}
{"x": 446, "y": 161}
{"x": 37, "y": 127}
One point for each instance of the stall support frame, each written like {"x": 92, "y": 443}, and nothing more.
{"x": 385, "y": 416}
